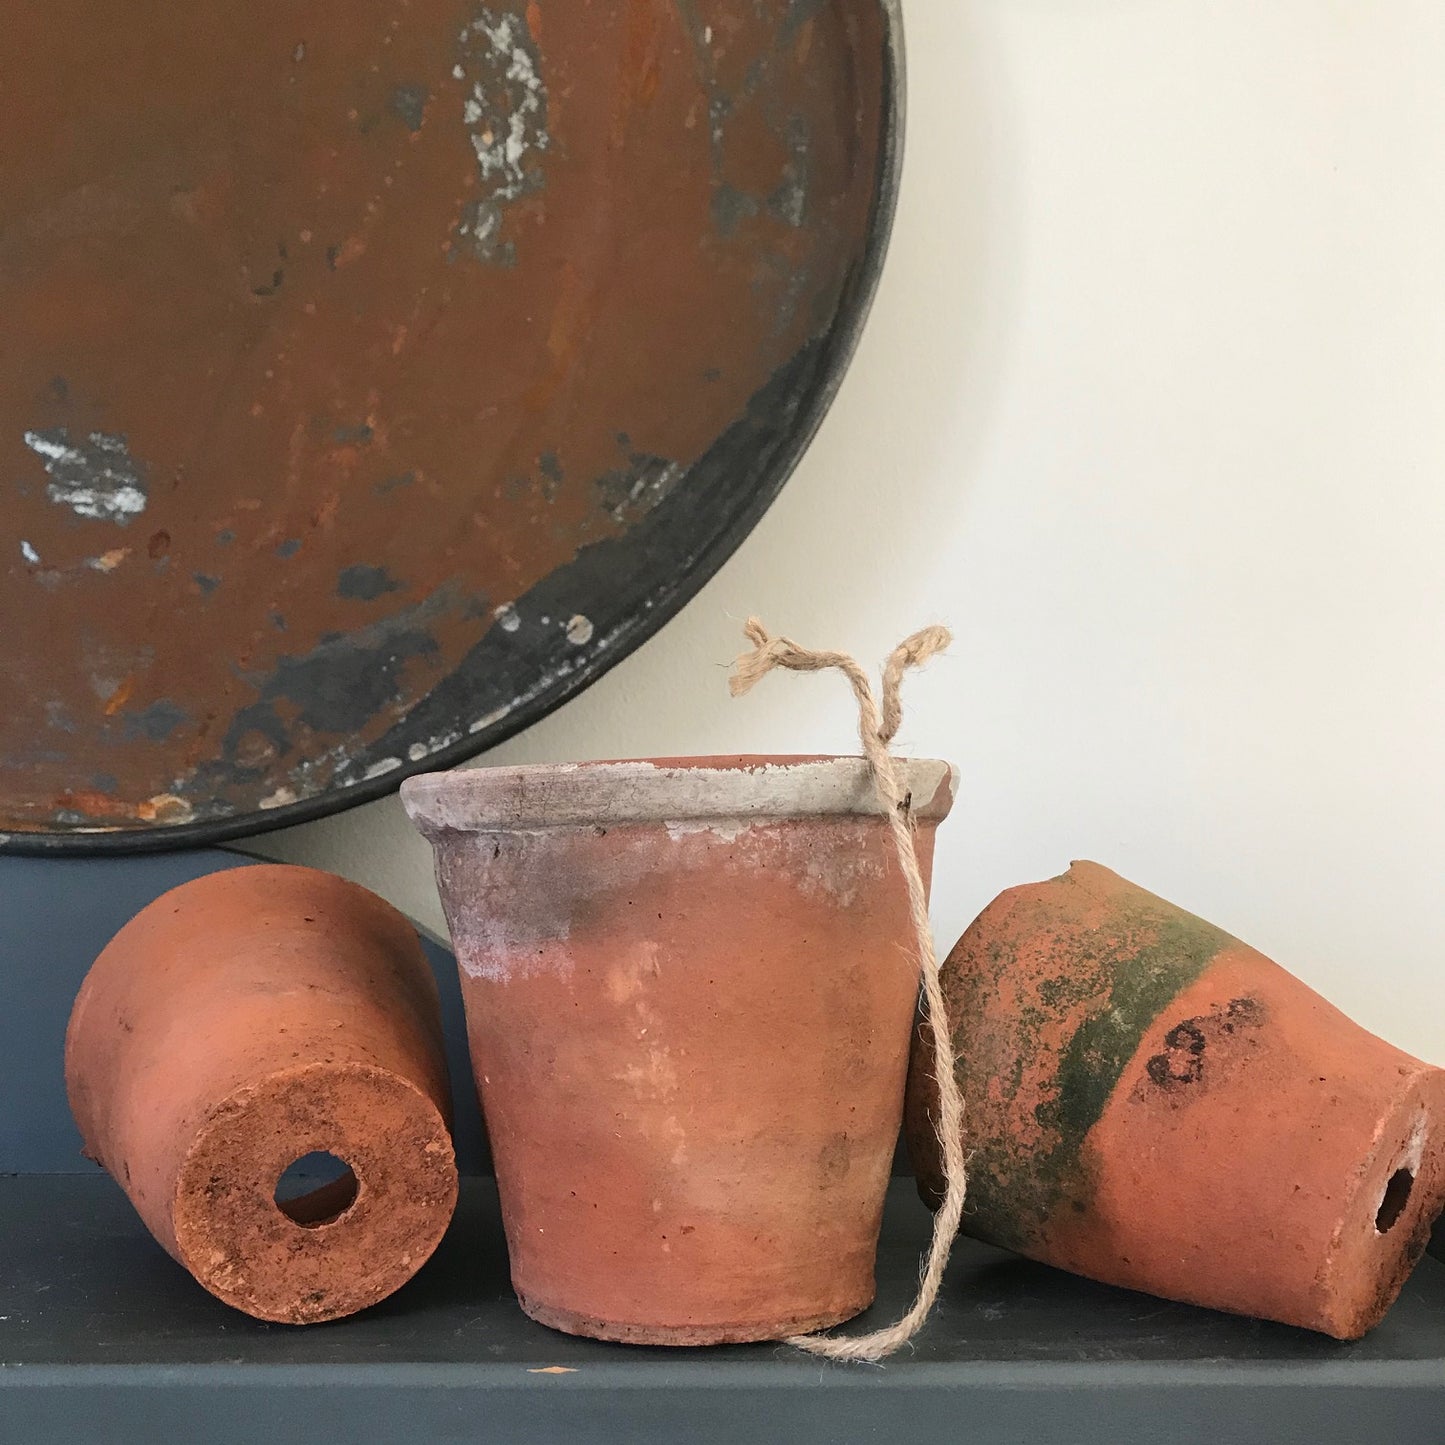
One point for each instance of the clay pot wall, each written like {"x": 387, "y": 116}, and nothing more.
{"x": 1154, "y": 1104}
{"x": 689, "y": 991}
{"x": 244, "y": 1021}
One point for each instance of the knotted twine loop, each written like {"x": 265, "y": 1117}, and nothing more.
{"x": 877, "y": 730}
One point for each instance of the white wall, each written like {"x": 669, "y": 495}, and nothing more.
{"x": 1152, "y": 412}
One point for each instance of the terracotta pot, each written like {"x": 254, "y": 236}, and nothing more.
{"x": 1153, "y": 1104}
{"x": 689, "y": 992}
{"x": 242, "y": 1022}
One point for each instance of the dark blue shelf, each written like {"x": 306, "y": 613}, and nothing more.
{"x": 103, "y": 1338}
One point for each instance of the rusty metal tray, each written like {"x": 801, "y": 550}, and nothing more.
{"x": 374, "y": 376}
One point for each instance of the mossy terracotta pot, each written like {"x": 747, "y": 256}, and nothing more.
{"x": 689, "y": 990}
{"x": 239, "y": 1024}
{"x": 1153, "y": 1104}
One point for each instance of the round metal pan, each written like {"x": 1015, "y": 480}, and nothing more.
{"x": 374, "y": 375}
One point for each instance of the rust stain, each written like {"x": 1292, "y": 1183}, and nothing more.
{"x": 642, "y": 66}
{"x": 120, "y": 696}
{"x": 91, "y": 804}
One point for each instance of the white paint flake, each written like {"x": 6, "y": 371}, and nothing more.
{"x": 95, "y": 476}
{"x": 504, "y": 111}
{"x": 579, "y": 630}
{"x": 171, "y": 810}
{"x": 500, "y": 153}
{"x": 419, "y": 752}
{"x": 507, "y": 618}
{"x": 495, "y": 716}
{"x": 29, "y": 553}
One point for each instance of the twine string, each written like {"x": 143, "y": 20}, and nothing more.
{"x": 877, "y": 729}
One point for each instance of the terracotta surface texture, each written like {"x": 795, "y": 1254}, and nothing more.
{"x": 1154, "y": 1104}
{"x": 238, "y": 1024}
{"x": 358, "y": 333}
{"x": 689, "y": 990}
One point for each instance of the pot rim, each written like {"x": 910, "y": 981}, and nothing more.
{"x": 664, "y": 790}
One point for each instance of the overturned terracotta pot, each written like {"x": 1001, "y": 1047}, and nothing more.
{"x": 239, "y": 1024}
{"x": 689, "y": 991}
{"x": 1153, "y": 1104}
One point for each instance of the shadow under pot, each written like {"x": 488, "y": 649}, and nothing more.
{"x": 1153, "y": 1104}
{"x": 689, "y": 990}
{"x": 244, "y": 1027}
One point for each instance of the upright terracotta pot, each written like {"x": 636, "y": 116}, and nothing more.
{"x": 689, "y": 990}
{"x": 242, "y": 1022}
{"x": 1153, "y": 1104}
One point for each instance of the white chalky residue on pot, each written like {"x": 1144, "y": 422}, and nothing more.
{"x": 533, "y": 898}
{"x": 840, "y": 872}
{"x": 516, "y": 936}
{"x": 748, "y": 794}
{"x": 654, "y": 1079}
{"x": 492, "y": 960}
{"x": 487, "y": 947}
{"x": 726, "y": 830}
{"x": 834, "y": 861}
{"x": 1415, "y": 1147}
{"x": 1410, "y": 1160}
{"x": 525, "y": 926}
{"x": 533, "y": 894}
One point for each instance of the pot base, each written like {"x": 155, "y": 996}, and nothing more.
{"x": 568, "y": 1322}
{"x": 343, "y": 1247}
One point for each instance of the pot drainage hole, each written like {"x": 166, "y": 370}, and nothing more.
{"x": 316, "y": 1189}
{"x": 1392, "y": 1206}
